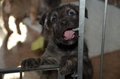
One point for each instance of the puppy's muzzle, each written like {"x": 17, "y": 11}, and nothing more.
{"x": 64, "y": 22}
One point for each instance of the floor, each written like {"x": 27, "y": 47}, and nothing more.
{"x": 12, "y": 57}
{"x": 13, "y": 50}
{"x": 111, "y": 66}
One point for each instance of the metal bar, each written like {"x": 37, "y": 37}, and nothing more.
{"x": 103, "y": 40}
{"x": 20, "y": 75}
{"x": 40, "y": 74}
{"x": 60, "y": 76}
{"x": 81, "y": 38}
{"x": 1, "y": 76}
{"x": 41, "y": 68}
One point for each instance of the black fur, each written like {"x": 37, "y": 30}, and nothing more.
{"x": 61, "y": 51}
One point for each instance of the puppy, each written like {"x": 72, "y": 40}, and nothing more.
{"x": 62, "y": 47}
{"x": 21, "y": 8}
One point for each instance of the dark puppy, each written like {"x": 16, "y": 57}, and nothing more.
{"x": 21, "y": 8}
{"x": 62, "y": 48}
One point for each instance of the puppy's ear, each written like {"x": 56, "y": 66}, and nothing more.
{"x": 43, "y": 19}
{"x": 86, "y": 13}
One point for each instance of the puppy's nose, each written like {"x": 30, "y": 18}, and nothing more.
{"x": 64, "y": 22}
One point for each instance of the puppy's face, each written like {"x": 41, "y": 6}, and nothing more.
{"x": 61, "y": 21}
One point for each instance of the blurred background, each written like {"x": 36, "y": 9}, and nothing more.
{"x": 16, "y": 47}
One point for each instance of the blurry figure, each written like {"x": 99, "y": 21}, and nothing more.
{"x": 114, "y": 2}
{"x": 19, "y": 9}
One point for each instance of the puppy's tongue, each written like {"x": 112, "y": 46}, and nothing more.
{"x": 69, "y": 34}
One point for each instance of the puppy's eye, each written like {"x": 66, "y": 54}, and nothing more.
{"x": 54, "y": 19}
{"x": 71, "y": 13}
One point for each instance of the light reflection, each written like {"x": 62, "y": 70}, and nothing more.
{"x": 2, "y": 31}
{"x": 13, "y": 75}
{"x": 0, "y": 42}
{"x": 15, "y": 37}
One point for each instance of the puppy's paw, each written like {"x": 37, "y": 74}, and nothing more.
{"x": 67, "y": 67}
{"x": 30, "y": 63}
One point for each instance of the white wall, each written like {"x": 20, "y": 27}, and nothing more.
{"x": 93, "y": 29}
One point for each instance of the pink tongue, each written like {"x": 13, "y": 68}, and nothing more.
{"x": 69, "y": 34}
